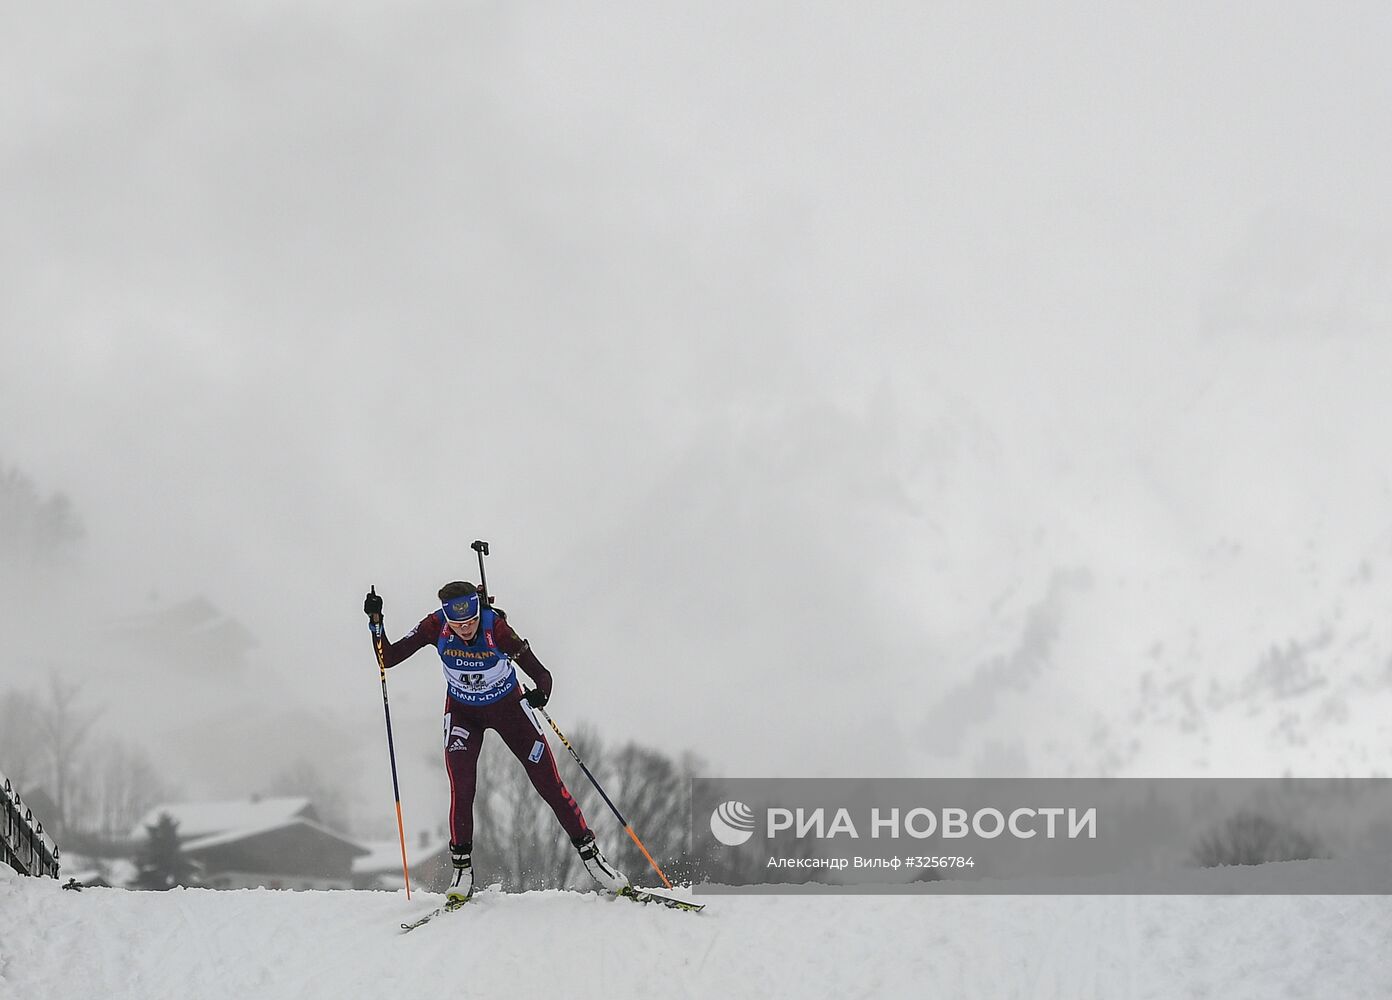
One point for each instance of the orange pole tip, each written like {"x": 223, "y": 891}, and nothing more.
{"x": 656, "y": 867}
{"x": 405, "y": 869}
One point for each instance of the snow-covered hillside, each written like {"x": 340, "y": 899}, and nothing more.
{"x": 1156, "y": 558}
{"x": 203, "y": 945}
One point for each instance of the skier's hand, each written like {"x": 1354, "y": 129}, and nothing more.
{"x": 372, "y": 603}
{"x": 536, "y": 697}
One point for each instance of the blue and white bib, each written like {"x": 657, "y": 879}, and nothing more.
{"x": 477, "y": 673}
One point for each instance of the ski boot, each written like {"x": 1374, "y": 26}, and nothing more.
{"x": 598, "y": 865}
{"x": 462, "y": 887}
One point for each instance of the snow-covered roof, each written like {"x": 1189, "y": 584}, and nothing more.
{"x": 207, "y": 819}
{"x": 246, "y": 833}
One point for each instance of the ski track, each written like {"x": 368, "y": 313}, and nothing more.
{"x": 208, "y": 945}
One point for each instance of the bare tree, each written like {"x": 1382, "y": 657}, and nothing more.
{"x": 41, "y": 739}
{"x": 516, "y": 838}
{"x": 124, "y": 786}
{"x": 1249, "y": 838}
{"x": 64, "y": 728}
{"x": 518, "y": 843}
{"x": 654, "y": 793}
{"x": 97, "y": 790}
{"x": 21, "y": 749}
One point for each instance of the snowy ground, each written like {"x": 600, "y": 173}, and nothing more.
{"x": 201, "y": 944}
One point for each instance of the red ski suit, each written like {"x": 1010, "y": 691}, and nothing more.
{"x": 511, "y": 717}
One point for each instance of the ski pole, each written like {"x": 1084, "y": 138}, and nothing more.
{"x": 377, "y": 639}
{"x": 628, "y": 827}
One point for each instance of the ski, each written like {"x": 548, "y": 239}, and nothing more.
{"x": 420, "y": 921}
{"x": 630, "y": 893}
{"x": 651, "y": 896}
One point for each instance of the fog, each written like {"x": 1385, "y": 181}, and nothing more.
{"x": 906, "y": 390}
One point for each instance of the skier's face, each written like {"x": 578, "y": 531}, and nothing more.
{"x": 465, "y": 630}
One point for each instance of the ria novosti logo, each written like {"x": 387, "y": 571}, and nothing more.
{"x": 732, "y": 823}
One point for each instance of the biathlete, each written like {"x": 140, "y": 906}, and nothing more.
{"x": 477, "y": 649}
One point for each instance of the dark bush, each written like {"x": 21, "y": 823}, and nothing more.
{"x": 1249, "y": 838}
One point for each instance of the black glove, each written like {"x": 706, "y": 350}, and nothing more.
{"x": 372, "y": 604}
{"x": 536, "y": 697}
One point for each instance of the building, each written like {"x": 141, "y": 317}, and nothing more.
{"x": 429, "y": 859}
{"x": 276, "y": 843}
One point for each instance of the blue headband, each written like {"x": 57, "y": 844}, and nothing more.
{"x": 462, "y": 609}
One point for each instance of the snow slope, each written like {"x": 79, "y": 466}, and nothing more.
{"x": 1152, "y": 557}
{"x": 202, "y": 944}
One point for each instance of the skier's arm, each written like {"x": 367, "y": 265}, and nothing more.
{"x": 426, "y": 633}
{"x": 521, "y": 652}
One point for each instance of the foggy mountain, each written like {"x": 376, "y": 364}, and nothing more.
{"x": 963, "y": 587}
